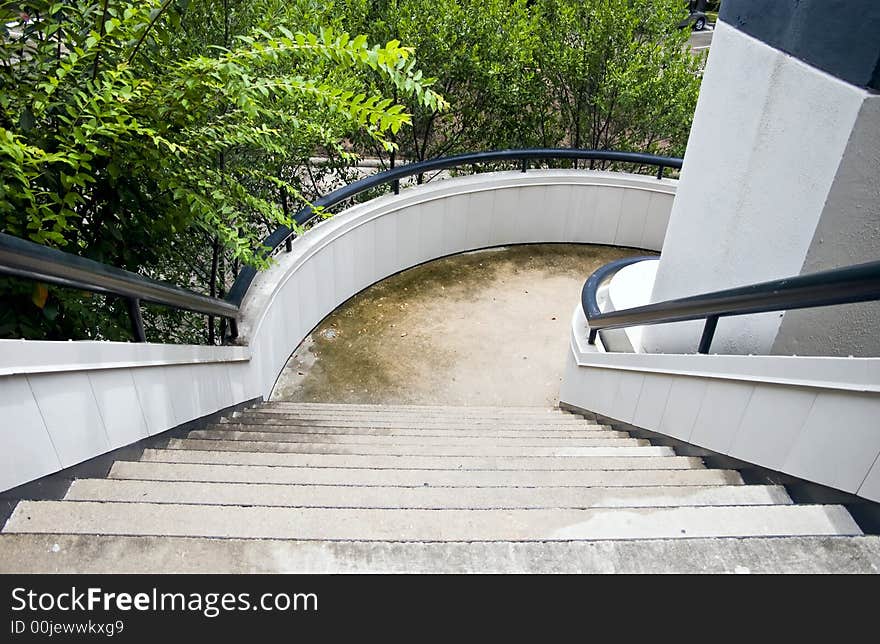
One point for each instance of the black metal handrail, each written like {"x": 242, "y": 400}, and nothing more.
{"x": 22, "y": 258}
{"x": 858, "y": 283}
{"x": 284, "y": 234}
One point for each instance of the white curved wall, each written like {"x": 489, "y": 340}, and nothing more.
{"x": 64, "y": 402}
{"x": 369, "y": 242}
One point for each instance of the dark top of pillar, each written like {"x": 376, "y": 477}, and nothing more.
{"x": 841, "y": 37}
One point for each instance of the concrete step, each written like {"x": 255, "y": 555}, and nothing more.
{"x": 414, "y": 477}
{"x": 590, "y": 431}
{"x": 467, "y": 411}
{"x": 392, "y": 449}
{"x": 455, "y": 441}
{"x": 464, "y": 412}
{"x": 87, "y": 517}
{"x": 71, "y": 553}
{"x": 349, "y": 496}
{"x": 410, "y": 423}
{"x": 417, "y": 415}
{"x": 187, "y": 452}
{"x": 403, "y": 488}
{"x": 417, "y": 421}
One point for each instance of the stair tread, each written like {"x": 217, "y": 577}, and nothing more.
{"x": 462, "y": 412}
{"x": 283, "y": 404}
{"x": 367, "y": 439}
{"x": 592, "y": 431}
{"x": 471, "y": 412}
{"x": 414, "y": 422}
{"x": 66, "y": 553}
{"x": 453, "y": 449}
{"x": 422, "y": 462}
{"x": 420, "y": 496}
{"x": 262, "y": 522}
{"x": 417, "y": 418}
{"x": 384, "y": 477}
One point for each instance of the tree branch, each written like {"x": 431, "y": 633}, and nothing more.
{"x": 149, "y": 28}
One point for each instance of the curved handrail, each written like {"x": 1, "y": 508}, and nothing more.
{"x": 594, "y": 281}
{"x": 283, "y": 234}
{"x": 22, "y": 258}
{"x": 857, "y": 283}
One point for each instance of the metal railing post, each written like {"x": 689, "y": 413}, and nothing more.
{"x": 137, "y": 320}
{"x": 708, "y": 334}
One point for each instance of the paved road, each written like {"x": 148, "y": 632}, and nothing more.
{"x": 700, "y": 40}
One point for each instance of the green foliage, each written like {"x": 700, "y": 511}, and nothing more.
{"x": 583, "y": 73}
{"x": 89, "y": 112}
{"x": 620, "y": 72}
{"x": 125, "y": 124}
{"x": 169, "y": 136}
{"x": 482, "y": 55}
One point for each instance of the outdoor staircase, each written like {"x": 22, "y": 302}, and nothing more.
{"x": 304, "y": 487}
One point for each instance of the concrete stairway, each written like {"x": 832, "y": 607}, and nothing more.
{"x": 315, "y": 488}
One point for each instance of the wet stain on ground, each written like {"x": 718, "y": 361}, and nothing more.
{"x": 483, "y": 328}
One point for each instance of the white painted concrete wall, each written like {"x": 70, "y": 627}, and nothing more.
{"x": 848, "y": 233}
{"x": 768, "y": 138}
{"x": 816, "y": 418}
{"x": 64, "y": 402}
{"x": 372, "y": 241}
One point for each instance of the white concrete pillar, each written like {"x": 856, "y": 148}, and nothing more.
{"x": 781, "y": 175}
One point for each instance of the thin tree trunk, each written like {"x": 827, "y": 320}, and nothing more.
{"x": 393, "y": 155}
{"x": 101, "y": 34}
{"x": 215, "y": 246}
{"x": 215, "y": 256}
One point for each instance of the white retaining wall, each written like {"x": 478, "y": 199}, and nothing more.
{"x": 816, "y": 418}
{"x": 64, "y": 402}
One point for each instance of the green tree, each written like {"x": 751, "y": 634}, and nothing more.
{"x": 619, "y": 71}
{"x": 583, "y": 73}
{"x": 481, "y": 53}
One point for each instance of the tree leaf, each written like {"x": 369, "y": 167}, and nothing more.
{"x": 39, "y": 295}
